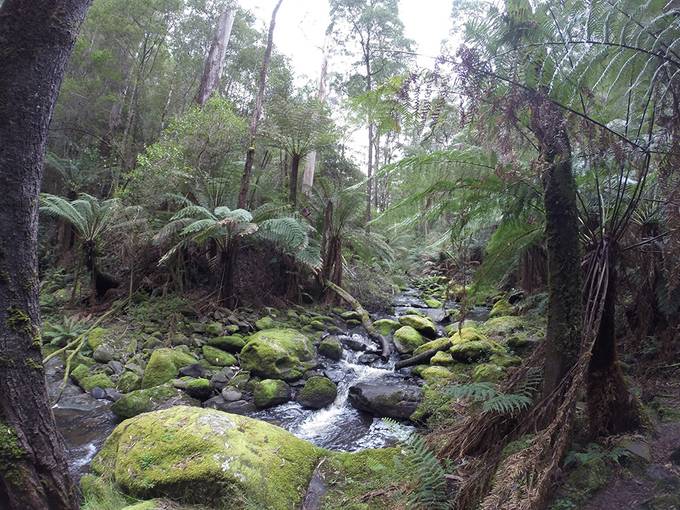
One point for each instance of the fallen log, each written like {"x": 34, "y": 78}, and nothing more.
{"x": 423, "y": 357}
{"x": 366, "y": 321}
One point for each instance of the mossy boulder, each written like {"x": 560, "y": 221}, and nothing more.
{"x": 277, "y": 354}
{"x": 441, "y": 358}
{"x": 96, "y": 337}
{"x": 407, "y": 339}
{"x": 467, "y": 334}
{"x": 214, "y": 328}
{"x": 128, "y": 381}
{"x": 265, "y": 323}
{"x": 164, "y": 366}
{"x": 218, "y": 357}
{"x": 502, "y": 308}
{"x": 88, "y": 381}
{"x": 488, "y": 372}
{"x": 230, "y": 343}
{"x": 205, "y": 456}
{"x": 503, "y": 327}
{"x": 198, "y": 388}
{"x": 437, "y": 373}
{"x": 432, "y": 302}
{"x": 439, "y": 343}
{"x": 317, "y": 392}
{"x": 472, "y": 351}
{"x": 423, "y": 325}
{"x": 270, "y": 392}
{"x": 151, "y": 399}
{"x": 331, "y": 348}
{"x": 386, "y": 326}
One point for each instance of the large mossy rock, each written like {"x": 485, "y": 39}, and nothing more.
{"x": 88, "y": 381}
{"x": 218, "y": 357}
{"x": 386, "y": 326}
{"x": 230, "y": 343}
{"x": 331, "y": 348}
{"x": 151, "y": 399}
{"x": 423, "y": 325}
{"x": 439, "y": 343}
{"x": 502, "y": 308}
{"x": 317, "y": 392}
{"x": 277, "y": 354}
{"x": 209, "y": 457}
{"x": 407, "y": 339}
{"x": 270, "y": 392}
{"x": 164, "y": 366}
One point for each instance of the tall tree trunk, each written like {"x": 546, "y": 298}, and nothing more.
{"x": 36, "y": 38}
{"x": 254, "y": 121}
{"x": 214, "y": 62}
{"x": 293, "y": 184}
{"x": 612, "y": 409}
{"x": 563, "y": 332}
{"x": 229, "y": 261}
{"x": 310, "y": 166}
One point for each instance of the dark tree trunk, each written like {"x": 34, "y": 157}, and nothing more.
{"x": 214, "y": 62}
{"x": 36, "y": 37}
{"x": 229, "y": 261}
{"x": 612, "y": 409}
{"x": 563, "y": 331}
{"x": 255, "y": 119}
{"x": 293, "y": 184}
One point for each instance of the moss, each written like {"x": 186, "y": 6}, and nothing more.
{"x": 230, "y": 343}
{"x": 143, "y": 401}
{"x": 517, "y": 445}
{"x": 270, "y": 392}
{"x": 10, "y": 453}
{"x": 503, "y": 327}
{"x": 19, "y": 321}
{"x": 352, "y": 476}
{"x": 505, "y": 360}
{"x": 581, "y": 483}
{"x": 501, "y": 308}
{"x": 331, "y": 348}
{"x": 164, "y": 366}
{"x": 474, "y": 350}
{"x": 205, "y": 456}
{"x": 442, "y": 358}
{"x": 467, "y": 334}
{"x": 277, "y": 354}
{"x": 128, "y": 381}
{"x": 240, "y": 380}
{"x": 488, "y": 372}
{"x": 407, "y": 339}
{"x": 32, "y": 363}
{"x": 95, "y": 338}
{"x": 439, "y": 343}
{"x": 199, "y": 388}
{"x": 214, "y": 328}
{"x": 265, "y": 323}
{"x": 99, "y": 380}
{"x": 386, "y": 326}
{"x": 423, "y": 325}
{"x": 218, "y": 357}
{"x": 318, "y": 392}
{"x": 437, "y": 373}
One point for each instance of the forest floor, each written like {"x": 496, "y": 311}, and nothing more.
{"x": 656, "y": 486}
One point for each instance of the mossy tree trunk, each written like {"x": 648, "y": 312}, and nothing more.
{"x": 563, "y": 331}
{"x": 36, "y": 38}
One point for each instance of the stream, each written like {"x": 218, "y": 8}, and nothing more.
{"x": 85, "y": 422}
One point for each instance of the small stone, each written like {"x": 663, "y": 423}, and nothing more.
{"x": 214, "y": 328}
{"x": 195, "y": 370}
{"x": 117, "y": 367}
{"x": 331, "y": 348}
{"x": 241, "y": 407}
{"x": 231, "y": 394}
{"x": 103, "y": 354}
{"x": 98, "y": 393}
{"x": 218, "y": 357}
{"x": 265, "y": 323}
{"x": 367, "y": 359}
{"x": 318, "y": 392}
{"x": 271, "y": 392}
{"x": 112, "y": 394}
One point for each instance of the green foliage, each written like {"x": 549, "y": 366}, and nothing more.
{"x": 61, "y": 334}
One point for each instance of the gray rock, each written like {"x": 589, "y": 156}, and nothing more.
{"x": 238, "y": 407}
{"x": 195, "y": 370}
{"x": 117, "y": 367}
{"x": 222, "y": 378}
{"x": 98, "y": 393}
{"x": 112, "y": 394}
{"x": 231, "y": 394}
{"x": 134, "y": 367}
{"x": 103, "y": 354}
{"x": 367, "y": 359}
{"x": 335, "y": 375}
{"x": 386, "y": 399}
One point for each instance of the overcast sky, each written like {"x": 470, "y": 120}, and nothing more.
{"x": 301, "y": 25}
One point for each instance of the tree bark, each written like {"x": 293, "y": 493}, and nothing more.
{"x": 257, "y": 112}
{"x": 36, "y": 38}
{"x": 563, "y": 331}
{"x": 214, "y": 62}
{"x": 293, "y": 184}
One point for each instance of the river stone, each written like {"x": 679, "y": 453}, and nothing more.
{"x": 231, "y": 394}
{"x": 103, "y": 354}
{"x": 230, "y": 343}
{"x": 423, "y": 325}
{"x": 501, "y": 308}
{"x": 277, "y": 354}
{"x": 195, "y": 370}
{"x": 385, "y": 399}
{"x": 151, "y": 399}
{"x": 318, "y": 392}
{"x": 128, "y": 381}
{"x": 386, "y": 326}
{"x": 367, "y": 358}
{"x": 198, "y": 388}
{"x": 164, "y": 365}
{"x": 407, "y": 339}
{"x": 208, "y": 457}
{"x": 331, "y": 348}
{"x": 116, "y": 367}
{"x": 270, "y": 393}
{"x": 218, "y": 357}
{"x": 242, "y": 407}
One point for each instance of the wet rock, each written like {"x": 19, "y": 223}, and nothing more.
{"x": 112, "y": 394}
{"x": 318, "y": 392}
{"x": 270, "y": 392}
{"x": 231, "y": 394}
{"x": 407, "y": 339}
{"x": 386, "y": 326}
{"x": 335, "y": 375}
{"x": 98, "y": 393}
{"x": 151, "y": 399}
{"x": 331, "y": 348}
{"x": 277, "y": 354}
{"x": 164, "y": 365}
{"x": 242, "y": 407}
{"x": 423, "y": 325}
{"x": 199, "y": 389}
{"x": 230, "y": 343}
{"x": 675, "y": 457}
{"x": 103, "y": 354}
{"x": 195, "y": 370}
{"x": 222, "y": 378}
{"x": 368, "y": 358}
{"x": 355, "y": 343}
{"x": 385, "y": 399}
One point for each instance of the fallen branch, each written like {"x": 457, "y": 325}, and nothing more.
{"x": 423, "y": 357}
{"x": 365, "y": 318}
